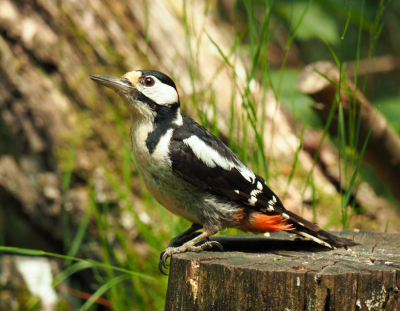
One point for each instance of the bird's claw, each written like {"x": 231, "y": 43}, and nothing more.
{"x": 217, "y": 244}
{"x": 163, "y": 261}
{"x": 169, "y": 251}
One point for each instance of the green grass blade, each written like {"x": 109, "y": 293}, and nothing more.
{"x": 337, "y": 61}
{"x": 80, "y": 235}
{"x": 346, "y": 25}
{"x": 105, "y": 287}
{"x": 79, "y": 266}
{"x": 314, "y": 200}
{"x": 342, "y": 139}
{"x": 65, "y": 184}
{"x": 225, "y": 58}
{"x": 357, "y": 168}
{"x": 296, "y": 158}
{"x": 66, "y": 178}
{"x": 33, "y": 252}
{"x": 288, "y": 44}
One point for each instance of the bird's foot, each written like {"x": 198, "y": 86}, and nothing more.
{"x": 169, "y": 251}
{"x": 181, "y": 239}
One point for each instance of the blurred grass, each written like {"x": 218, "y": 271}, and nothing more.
{"x": 129, "y": 278}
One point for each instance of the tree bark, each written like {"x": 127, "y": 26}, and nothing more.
{"x": 259, "y": 273}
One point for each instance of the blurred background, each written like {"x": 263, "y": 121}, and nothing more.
{"x": 68, "y": 181}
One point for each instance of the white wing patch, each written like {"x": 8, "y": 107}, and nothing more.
{"x": 254, "y": 193}
{"x": 271, "y": 204}
{"x": 212, "y": 158}
{"x": 273, "y": 201}
{"x": 252, "y": 201}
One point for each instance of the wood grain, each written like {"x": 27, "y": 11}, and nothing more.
{"x": 280, "y": 273}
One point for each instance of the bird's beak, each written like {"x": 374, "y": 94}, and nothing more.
{"x": 116, "y": 84}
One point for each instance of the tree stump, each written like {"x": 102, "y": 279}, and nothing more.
{"x": 281, "y": 273}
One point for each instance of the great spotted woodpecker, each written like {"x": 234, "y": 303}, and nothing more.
{"x": 194, "y": 175}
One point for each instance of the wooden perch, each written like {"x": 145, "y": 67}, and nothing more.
{"x": 383, "y": 149}
{"x": 259, "y": 273}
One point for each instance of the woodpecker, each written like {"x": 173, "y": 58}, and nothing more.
{"x": 195, "y": 175}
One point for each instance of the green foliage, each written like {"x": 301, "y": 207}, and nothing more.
{"x": 292, "y": 98}
{"x": 390, "y": 108}
{"x": 316, "y": 23}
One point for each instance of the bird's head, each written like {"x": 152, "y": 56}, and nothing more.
{"x": 146, "y": 93}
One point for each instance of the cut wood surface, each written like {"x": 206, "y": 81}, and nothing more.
{"x": 280, "y": 273}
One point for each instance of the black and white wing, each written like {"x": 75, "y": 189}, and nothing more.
{"x": 207, "y": 163}
{"x": 204, "y": 161}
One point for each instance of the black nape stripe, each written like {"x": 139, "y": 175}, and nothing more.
{"x": 160, "y": 76}
{"x": 165, "y": 116}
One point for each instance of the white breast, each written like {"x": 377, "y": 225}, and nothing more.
{"x": 139, "y": 133}
{"x": 156, "y": 170}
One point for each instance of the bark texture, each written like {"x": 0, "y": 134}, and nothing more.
{"x": 259, "y": 273}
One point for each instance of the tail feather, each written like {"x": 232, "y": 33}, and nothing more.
{"x": 324, "y": 238}
{"x": 307, "y": 236}
{"x": 309, "y": 231}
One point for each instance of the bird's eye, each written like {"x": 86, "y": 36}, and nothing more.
{"x": 148, "y": 81}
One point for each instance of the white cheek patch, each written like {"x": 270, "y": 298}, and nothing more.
{"x": 212, "y": 158}
{"x": 160, "y": 93}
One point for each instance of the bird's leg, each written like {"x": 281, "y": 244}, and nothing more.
{"x": 185, "y": 236}
{"x": 189, "y": 246}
